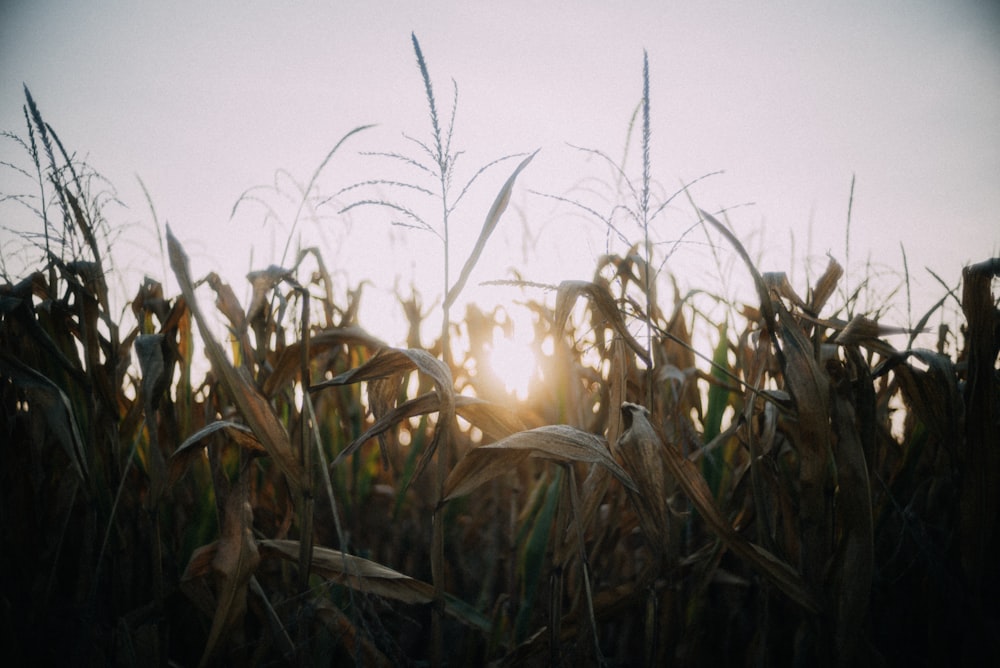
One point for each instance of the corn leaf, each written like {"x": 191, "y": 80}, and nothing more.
{"x": 390, "y": 362}
{"x": 252, "y": 405}
{"x": 492, "y": 218}
{"x": 566, "y": 296}
{"x": 558, "y": 442}
{"x": 640, "y": 433}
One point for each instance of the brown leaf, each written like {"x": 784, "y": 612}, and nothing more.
{"x": 50, "y": 405}
{"x": 862, "y": 331}
{"x": 191, "y": 449}
{"x": 558, "y": 442}
{"x": 853, "y": 567}
{"x": 425, "y": 403}
{"x": 825, "y": 285}
{"x": 566, "y": 296}
{"x": 227, "y": 304}
{"x": 783, "y": 576}
{"x": 641, "y": 456}
{"x": 494, "y": 420}
{"x": 810, "y": 390}
{"x": 288, "y": 362}
{"x": 263, "y": 281}
{"x": 252, "y": 405}
{"x": 360, "y": 574}
{"x": 234, "y": 561}
{"x": 390, "y": 362}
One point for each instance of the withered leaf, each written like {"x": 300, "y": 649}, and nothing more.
{"x": 558, "y": 442}
{"x": 253, "y": 406}
{"x": 782, "y": 575}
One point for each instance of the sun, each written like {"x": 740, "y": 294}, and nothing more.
{"x": 513, "y": 361}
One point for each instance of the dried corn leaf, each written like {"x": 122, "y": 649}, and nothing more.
{"x": 763, "y": 294}
{"x": 864, "y": 331}
{"x": 558, "y": 442}
{"x": 234, "y": 559}
{"x": 810, "y": 389}
{"x": 826, "y": 285}
{"x": 227, "y": 304}
{"x": 263, "y": 281}
{"x": 288, "y": 362}
{"x": 382, "y": 395}
{"x": 980, "y": 453}
{"x": 777, "y": 281}
{"x": 494, "y": 420}
{"x": 358, "y": 573}
{"x": 642, "y": 458}
{"x": 566, "y": 296}
{"x": 46, "y": 399}
{"x": 932, "y": 395}
{"x": 390, "y": 362}
{"x": 783, "y": 576}
{"x": 425, "y": 403}
{"x": 149, "y": 350}
{"x": 853, "y": 566}
{"x": 253, "y": 406}
{"x": 596, "y": 483}
{"x": 191, "y": 449}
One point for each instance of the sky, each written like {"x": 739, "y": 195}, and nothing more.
{"x": 779, "y": 105}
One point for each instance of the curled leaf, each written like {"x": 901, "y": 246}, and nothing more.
{"x": 600, "y": 299}
{"x": 558, "y": 442}
{"x": 390, "y": 362}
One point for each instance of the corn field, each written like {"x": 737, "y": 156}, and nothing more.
{"x": 800, "y": 486}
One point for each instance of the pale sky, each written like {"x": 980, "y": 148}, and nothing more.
{"x": 204, "y": 100}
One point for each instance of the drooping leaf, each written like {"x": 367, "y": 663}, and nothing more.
{"x": 390, "y": 362}
{"x": 558, "y": 442}
{"x": 252, "y": 405}
{"x": 149, "y": 350}
{"x": 361, "y": 574}
{"x": 425, "y": 403}
{"x": 784, "y": 577}
{"x": 643, "y": 459}
{"x": 809, "y": 387}
{"x": 48, "y": 400}
{"x": 191, "y": 449}
{"x": 322, "y": 342}
{"x": 566, "y": 296}
{"x": 853, "y": 567}
{"x": 494, "y": 420}
{"x": 234, "y": 559}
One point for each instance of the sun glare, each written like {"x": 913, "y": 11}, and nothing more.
{"x": 514, "y": 363}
